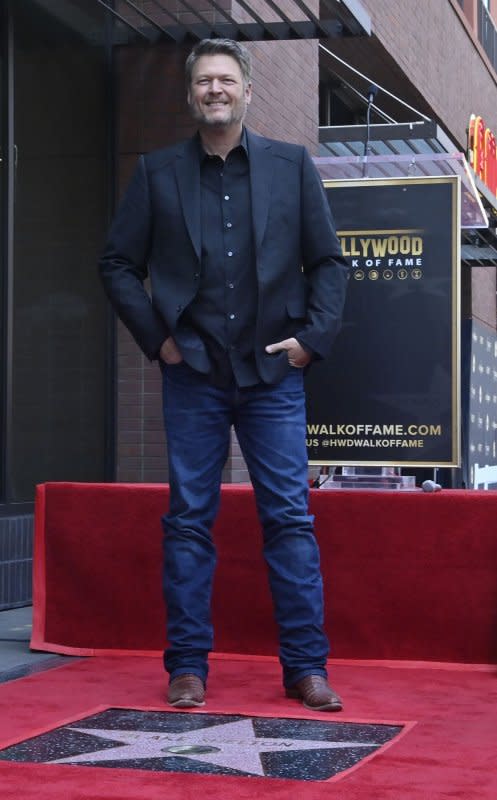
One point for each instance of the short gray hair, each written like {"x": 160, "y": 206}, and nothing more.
{"x": 227, "y": 47}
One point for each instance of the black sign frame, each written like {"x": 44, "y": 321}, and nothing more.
{"x": 389, "y": 392}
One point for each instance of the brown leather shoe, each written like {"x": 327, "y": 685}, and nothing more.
{"x": 315, "y": 693}
{"x": 186, "y": 691}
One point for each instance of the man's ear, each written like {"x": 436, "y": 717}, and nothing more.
{"x": 248, "y": 93}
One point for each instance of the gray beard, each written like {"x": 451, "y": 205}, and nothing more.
{"x": 234, "y": 119}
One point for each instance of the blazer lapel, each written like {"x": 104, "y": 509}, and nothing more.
{"x": 188, "y": 177}
{"x": 261, "y": 179}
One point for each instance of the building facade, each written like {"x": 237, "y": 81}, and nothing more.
{"x": 86, "y": 86}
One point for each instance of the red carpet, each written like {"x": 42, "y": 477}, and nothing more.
{"x": 407, "y": 575}
{"x": 448, "y": 753}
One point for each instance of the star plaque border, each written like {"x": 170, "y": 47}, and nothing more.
{"x": 208, "y": 743}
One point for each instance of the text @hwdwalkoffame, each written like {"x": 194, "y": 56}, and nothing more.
{"x": 370, "y": 435}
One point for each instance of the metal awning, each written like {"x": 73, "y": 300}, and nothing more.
{"x": 408, "y": 138}
{"x": 184, "y": 20}
{"x": 412, "y": 149}
{"x": 187, "y": 21}
{"x": 479, "y": 254}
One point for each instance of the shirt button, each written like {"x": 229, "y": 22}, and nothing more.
{"x": 231, "y": 285}
{"x": 179, "y": 308}
{"x": 196, "y": 275}
{"x": 229, "y": 225}
{"x": 226, "y": 197}
{"x": 230, "y": 252}
{"x": 231, "y": 316}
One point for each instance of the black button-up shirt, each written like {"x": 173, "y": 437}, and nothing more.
{"x": 224, "y": 310}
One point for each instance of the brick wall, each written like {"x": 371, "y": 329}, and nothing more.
{"x": 152, "y": 113}
{"x": 435, "y": 47}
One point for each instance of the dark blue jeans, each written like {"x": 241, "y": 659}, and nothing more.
{"x": 270, "y": 425}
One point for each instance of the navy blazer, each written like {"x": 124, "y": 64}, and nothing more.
{"x": 301, "y": 273}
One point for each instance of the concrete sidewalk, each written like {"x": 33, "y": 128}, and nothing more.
{"x": 16, "y": 659}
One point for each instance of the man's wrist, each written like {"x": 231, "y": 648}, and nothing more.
{"x": 310, "y": 352}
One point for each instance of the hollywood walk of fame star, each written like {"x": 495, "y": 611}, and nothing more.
{"x": 232, "y": 745}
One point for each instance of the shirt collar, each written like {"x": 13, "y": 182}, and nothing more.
{"x": 203, "y": 155}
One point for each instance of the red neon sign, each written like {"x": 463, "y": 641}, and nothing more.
{"x": 482, "y": 152}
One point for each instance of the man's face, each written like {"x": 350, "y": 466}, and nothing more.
{"x": 218, "y": 97}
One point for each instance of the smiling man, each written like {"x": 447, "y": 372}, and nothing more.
{"x": 218, "y": 92}
{"x": 248, "y": 286}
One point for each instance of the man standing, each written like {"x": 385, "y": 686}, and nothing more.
{"x": 247, "y": 288}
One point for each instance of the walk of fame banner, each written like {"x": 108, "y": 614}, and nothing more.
{"x": 388, "y": 394}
